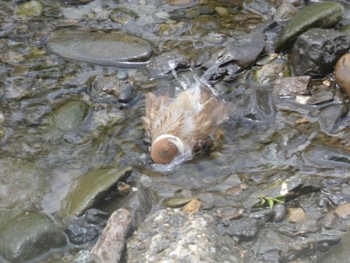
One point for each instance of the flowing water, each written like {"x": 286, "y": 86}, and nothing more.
{"x": 55, "y": 125}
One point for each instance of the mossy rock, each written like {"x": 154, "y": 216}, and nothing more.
{"x": 322, "y": 15}
{"x": 89, "y": 189}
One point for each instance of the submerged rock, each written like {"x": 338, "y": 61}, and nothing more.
{"x": 241, "y": 51}
{"x": 324, "y": 15}
{"x": 29, "y": 235}
{"x": 107, "y": 49}
{"x": 317, "y": 50}
{"x": 161, "y": 65}
{"x": 69, "y": 116}
{"x": 327, "y": 157}
{"x": 330, "y": 117}
{"x": 89, "y": 189}
{"x": 30, "y": 8}
{"x": 22, "y": 186}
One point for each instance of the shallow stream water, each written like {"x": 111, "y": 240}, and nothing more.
{"x": 57, "y": 124}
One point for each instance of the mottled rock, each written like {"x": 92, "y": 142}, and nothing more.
{"x": 324, "y": 15}
{"x": 317, "y": 50}
{"x": 107, "y": 49}
{"x": 342, "y": 76}
{"x": 270, "y": 72}
{"x": 30, "y": 8}
{"x": 292, "y": 86}
{"x": 174, "y": 236}
{"x": 343, "y": 211}
{"x": 122, "y": 15}
{"x": 29, "y": 235}
{"x": 89, "y": 189}
{"x": 110, "y": 246}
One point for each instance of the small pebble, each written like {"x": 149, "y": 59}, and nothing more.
{"x": 122, "y": 74}
{"x": 222, "y": 11}
{"x": 192, "y": 207}
{"x": 343, "y": 211}
{"x": 342, "y": 76}
{"x": 280, "y": 212}
{"x": 296, "y": 215}
{"x": 329, "y": 220}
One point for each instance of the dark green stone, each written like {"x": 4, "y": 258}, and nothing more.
{"x": 319, "y": 15}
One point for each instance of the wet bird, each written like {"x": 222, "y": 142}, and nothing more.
{"x": 179, "y": 126}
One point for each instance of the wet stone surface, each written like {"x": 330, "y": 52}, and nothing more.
{"x": 273, "y": 187}
{"x": 115, "y": 49}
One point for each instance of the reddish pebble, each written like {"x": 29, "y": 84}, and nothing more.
{"x": 342, "y": 73}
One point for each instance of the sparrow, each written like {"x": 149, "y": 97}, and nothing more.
{"x": 181, "y": 125}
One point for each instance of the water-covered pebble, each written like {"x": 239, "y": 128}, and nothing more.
{"x": 29, "y": 235}
{"x": 284, "y": 12}
{"x": 30, "y": 8}
{"x": 330, "y": 117}
{"x": 70, "y": 115}
{"x": 160, "y": 66}
{"x": 114, "y": 49}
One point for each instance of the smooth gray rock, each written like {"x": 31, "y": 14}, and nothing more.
{"x": 106, "y": 49}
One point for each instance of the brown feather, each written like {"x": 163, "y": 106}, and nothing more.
{"x": 193, "y": 116}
